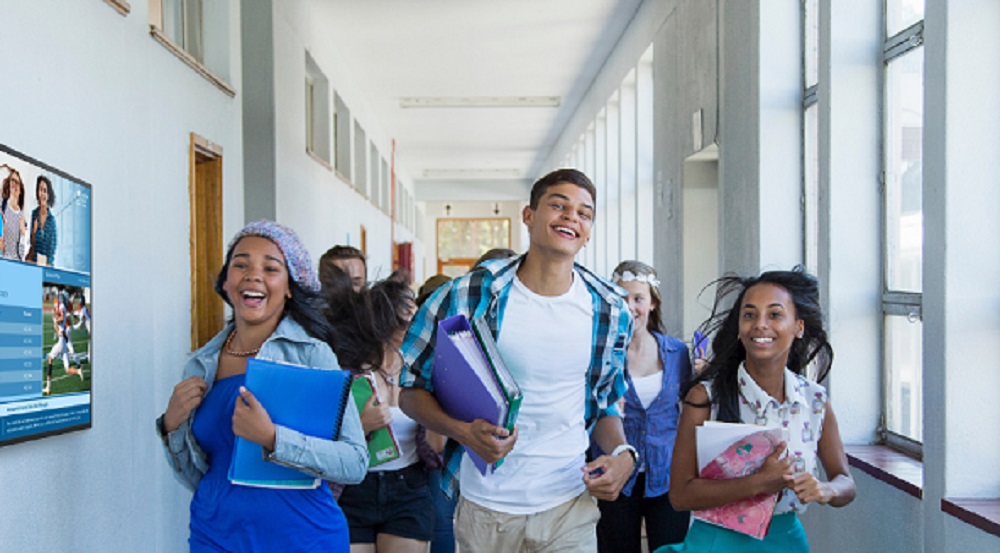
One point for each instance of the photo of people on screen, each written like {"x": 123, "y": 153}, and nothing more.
{"x": 45, "y": 216}
{"x": 66, "y": 339}
{"x": 15, "y": 221}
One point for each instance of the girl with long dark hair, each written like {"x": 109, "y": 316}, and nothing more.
{"x": 765, "y": 342}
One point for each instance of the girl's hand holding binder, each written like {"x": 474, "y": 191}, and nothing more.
{"x": 809, "y": 489}
{"x": 251, "y": 421}
{"x": 375, "y": 415}
{"x": 489, "y": 441}
{"x": 776, "y": 468}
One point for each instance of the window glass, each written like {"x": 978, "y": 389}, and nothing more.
{"x": 360, "y": 175}
{"x": 811, "y": 40}
{"x": 471, "y": 238}
{"x": 903, "y": 171}
{"x": 900, "y": 14}
{"x": 903, "y": 354}
{"x": 182, "y": 22}
{"x": 342, "y": 132}
{"x": 810, "y": 191}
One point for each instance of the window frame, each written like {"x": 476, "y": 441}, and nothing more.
{"x": 894, "y": 303}
{"x": 157, "y": 32}
{"x": 810, "y": 100}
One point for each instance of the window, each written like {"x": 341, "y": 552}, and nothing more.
{"x": 461, "y": 241}
{"x": 810, "y": 134}
{"x": 375, "y": 184}
{"x": 627, "y": 168}
{"x": 902, "y": 243}
{"x": 360, "y": 175}
{"x": 342, "y": 137}
{"x": 317, "y": 112}
{"x": 385, "y": 187}
{"x": 612, "y": 217}
{"x": 197, "y": 32}
{"x": 645, "y": 157}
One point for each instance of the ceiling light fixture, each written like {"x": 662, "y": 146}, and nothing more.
{"x": 472, "y": 173}
{"x": 481, "y": 102}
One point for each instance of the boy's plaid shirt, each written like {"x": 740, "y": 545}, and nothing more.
{"x": 483, "y": 293}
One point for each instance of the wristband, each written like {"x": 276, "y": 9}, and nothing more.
{"x": 632, "y": 451}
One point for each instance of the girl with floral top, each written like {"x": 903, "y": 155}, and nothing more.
{"x": 757, "y": 375}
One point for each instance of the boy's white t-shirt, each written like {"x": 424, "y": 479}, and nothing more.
{"x": 546, "y": 342}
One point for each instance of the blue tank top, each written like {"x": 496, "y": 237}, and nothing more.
{"x": 225, "y": 517}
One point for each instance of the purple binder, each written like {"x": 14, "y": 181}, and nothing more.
{"x": 458, "y": 388}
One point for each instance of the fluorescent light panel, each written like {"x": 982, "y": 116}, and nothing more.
{"x": 472, "y": 173}
{"x": 480, "y": 102}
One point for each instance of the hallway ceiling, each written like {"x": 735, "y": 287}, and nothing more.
{"x": 480, "y": 52}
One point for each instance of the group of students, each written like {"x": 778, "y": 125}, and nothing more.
{"x": 33, "y": 241}
{"x": 597, "y": 448}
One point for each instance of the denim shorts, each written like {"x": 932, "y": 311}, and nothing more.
{"x": 394, "y": 502}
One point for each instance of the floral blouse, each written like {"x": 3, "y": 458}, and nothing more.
{"x": 802, "y": 414}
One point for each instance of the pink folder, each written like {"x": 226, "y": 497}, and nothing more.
{"x": 751, "y": 516}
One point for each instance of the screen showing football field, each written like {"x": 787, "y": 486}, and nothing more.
{"x": 45, "y": 300}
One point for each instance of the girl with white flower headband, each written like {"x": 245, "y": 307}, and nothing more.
{"x": 657, "y": 367}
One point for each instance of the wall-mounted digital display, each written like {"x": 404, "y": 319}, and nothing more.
{"x": 45, "y": 301}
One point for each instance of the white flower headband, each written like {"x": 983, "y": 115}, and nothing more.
{"x": 629, "y": 276}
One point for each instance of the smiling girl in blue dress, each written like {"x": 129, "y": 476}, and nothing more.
{"x": 268, "y": 280}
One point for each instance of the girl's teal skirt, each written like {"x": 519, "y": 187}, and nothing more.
{"x": 785, "y": 535}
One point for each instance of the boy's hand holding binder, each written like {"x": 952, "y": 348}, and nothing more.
{"x": 473, "y": 385}
{"x": 489, "y": 441}
{"x": 607, "y": 475}
{"x": 251, "y": 421}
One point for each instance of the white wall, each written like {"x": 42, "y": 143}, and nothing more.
{"x": 701, "y": 242}
{"x": 89, "y": 92}
{"x": 310, "y": 197}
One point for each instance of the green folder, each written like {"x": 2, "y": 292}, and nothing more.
{"x": 506, "y": 380}
{"x": 382, "y": 446}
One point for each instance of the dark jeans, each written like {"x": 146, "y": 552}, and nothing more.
{"x": 620, "y": 527}
{"x": 394, "y": 502}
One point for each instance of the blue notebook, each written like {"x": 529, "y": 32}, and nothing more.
{"x": 310, "y": 401}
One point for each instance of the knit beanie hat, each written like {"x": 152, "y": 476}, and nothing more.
{"x": 300, "y": 266}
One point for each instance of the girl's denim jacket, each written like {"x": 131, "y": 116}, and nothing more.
{"x": 344, "y": 460}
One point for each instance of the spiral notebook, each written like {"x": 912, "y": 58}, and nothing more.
{"x": 310, "y": 401}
